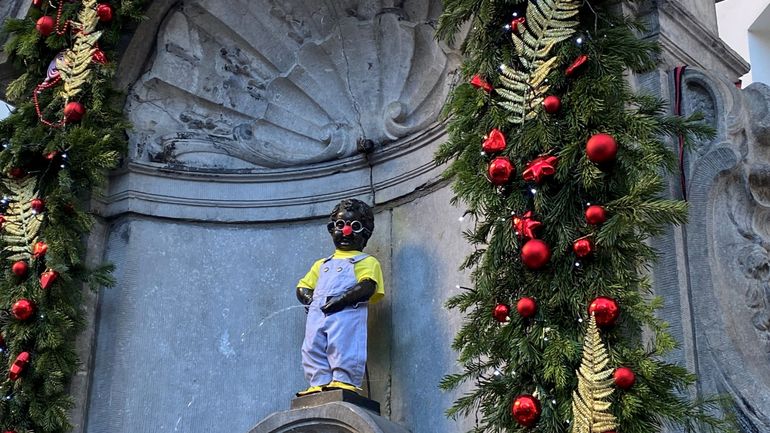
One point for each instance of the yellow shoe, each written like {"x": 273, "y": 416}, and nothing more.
{"x": 335, "y": 384}
{"x": 311, "y": 390}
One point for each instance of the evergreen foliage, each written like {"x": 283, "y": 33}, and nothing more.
{"x": 39, "y": 401}
{"x": 506, "y": 360}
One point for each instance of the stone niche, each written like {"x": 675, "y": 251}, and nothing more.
{"x": 247, "y": 116}
{"x": 714, "y": 272}
{"x": 242, "y": 107}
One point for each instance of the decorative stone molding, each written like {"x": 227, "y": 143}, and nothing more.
{"x": 727, "y": 244}
{"x": 686, "y": 38}
{"x": 328, "y": 418}
{"x": 285, "y": 83}
{"x": 252, "y": 111}
{"x": 274, "y": 194}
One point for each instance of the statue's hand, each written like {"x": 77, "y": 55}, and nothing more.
{"x": 334, "y": 304}
{"x": 305, "y": 295}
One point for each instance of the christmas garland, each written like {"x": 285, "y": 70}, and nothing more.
{"x": 559, "y": 163}
{"x": 68, "y": 129}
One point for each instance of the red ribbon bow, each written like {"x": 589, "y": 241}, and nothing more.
{"x": 517, "y": 22}
{"x": 526, "y": 226}
{"x": 18, "y": 366}
{"x": 480, "y": 83}
{"x": 539, "y": 168}
{"x": 580, "y": 61}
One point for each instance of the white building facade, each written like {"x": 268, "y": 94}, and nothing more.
{"x": 745, "y": 26}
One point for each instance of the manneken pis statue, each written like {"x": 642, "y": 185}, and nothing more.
{"x": 337, "y": 291}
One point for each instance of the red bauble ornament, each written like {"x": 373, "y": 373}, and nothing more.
{"x": 535, "y": 254}
{"x": 494, "y": 142}
{"x": 99, "y": 57}
{"x": 526, "y": 226}
{"x": 526, "y": 410}
{"x": 47, "y": 278}
{"x": 104, "y": 11}
{"x": 18, "y": 366}
{"x": 23, "y": 309}
{"x": 552, "y": 104}
{"x": 39, "y": 249}
{"x": 74, "y": 111}
{"x": 527, "y": 307}
{"x": 583, "y": 247}
{"x": 601, "y": 148}
{"x": 540, "y": 168}
{"x": 624, "y": 377}
{"x": 20, "y": 268}
{"x": 576, "y": 65}
{"x": 606, "y": 311}
{"x": 480, "y": 83}
{"x": 2, "y": 220}
{"x": 45, "y": 25}
{"x": 596, "y": 215}
{"x": 500, "y": 170}
{"x": 501, "y": 312}
{"x": 37, "y": 205}
{"x": 37, "y": 3}
{"x": 17, "y": 173}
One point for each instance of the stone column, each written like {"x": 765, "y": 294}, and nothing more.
{"x": 9, "y": 9}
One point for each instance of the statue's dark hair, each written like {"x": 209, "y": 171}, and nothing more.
{"x": 363, "y": 210}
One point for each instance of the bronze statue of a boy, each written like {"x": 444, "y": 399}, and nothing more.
{"x": 337, "y": 291}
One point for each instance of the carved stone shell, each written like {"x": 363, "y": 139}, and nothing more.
{"x": 268, "y": 83}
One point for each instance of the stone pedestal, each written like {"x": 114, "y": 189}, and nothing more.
{"x": 339, "y": 395}
{"x": 329, "y": 412}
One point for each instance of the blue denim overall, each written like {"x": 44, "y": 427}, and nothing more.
{"x": 335, "y": 345}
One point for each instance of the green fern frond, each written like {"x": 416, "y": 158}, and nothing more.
{"x": 548, "y": 23}
{"x": 22, "y": 224}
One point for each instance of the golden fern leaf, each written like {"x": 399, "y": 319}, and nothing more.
{"x": 22, "y": 225}
{"x": 75, "y": 66}
{"x": 548, "y": 22}
{"x": 590, "y": 410}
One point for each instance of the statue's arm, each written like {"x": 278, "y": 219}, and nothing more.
{"x": 359, "y": 293}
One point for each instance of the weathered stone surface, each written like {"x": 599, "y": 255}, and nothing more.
{"x": 9, "y": 9}
{"x": 714, "y": 271}
{"x": 328, "y": 418}
{"x": 337, "y": 395}
{"x": 206, "y": 314}
{"x": 686, "y": 31}
{"x": 275, "y": 194}
{"x": 280, "y": 83}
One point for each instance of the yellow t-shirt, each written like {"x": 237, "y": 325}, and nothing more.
{"x": 368, "y": 268}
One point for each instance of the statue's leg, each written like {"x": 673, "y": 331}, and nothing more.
{"x": 318, "y": 372}
{"x": 346, "y": 350}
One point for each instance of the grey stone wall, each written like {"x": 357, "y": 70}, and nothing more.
{"x": 9, "y": 9}
{"x": 203, "y": 331}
